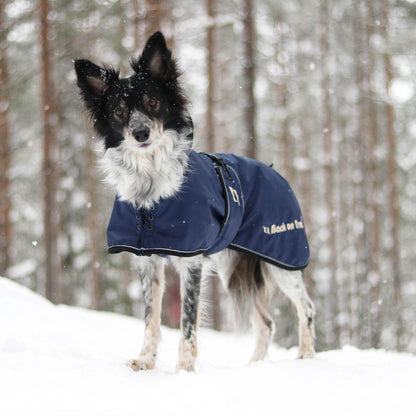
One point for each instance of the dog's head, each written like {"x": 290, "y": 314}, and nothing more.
{"x": 140, "y": 108}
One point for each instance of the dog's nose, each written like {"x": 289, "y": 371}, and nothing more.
{"x": 141, "y": 135}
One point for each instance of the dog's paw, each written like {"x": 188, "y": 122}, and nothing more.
{"x": 305, "y": 354}
{"x": 185, "y": 366}
{"x": 140, "y": 365}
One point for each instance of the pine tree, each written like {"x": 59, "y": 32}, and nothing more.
{"x": 393, "y": 202}
{"x": 53, "y": 272}
{"x": 329, "y": 171}
{"x": 249, "y": 44}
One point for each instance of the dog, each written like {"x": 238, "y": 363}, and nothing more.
{"x": 200, "y": 212}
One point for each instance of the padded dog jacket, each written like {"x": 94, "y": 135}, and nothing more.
{"x": 225, "y": 201}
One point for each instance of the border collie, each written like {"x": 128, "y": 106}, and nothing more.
{"x": 206, "y": 214}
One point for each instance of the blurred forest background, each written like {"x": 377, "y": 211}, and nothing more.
{"x": 324, "y": 89}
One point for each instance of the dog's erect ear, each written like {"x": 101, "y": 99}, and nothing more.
{"x": 92, "y": 79}
{"x": 156, "y": 60}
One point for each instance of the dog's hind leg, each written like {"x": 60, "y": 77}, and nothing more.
{"x": 152, "y": 276}
{"x": 190, "y": 277}
{"x": 264, "y": 328}
{"x": 291, "y": 284}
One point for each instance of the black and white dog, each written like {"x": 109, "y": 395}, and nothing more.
{"x": 201, "y": 212}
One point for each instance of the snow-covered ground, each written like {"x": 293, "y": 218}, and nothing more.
{"x": 60, "y": 360}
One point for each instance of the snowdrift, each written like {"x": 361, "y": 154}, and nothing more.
{"x": 60, "y": 360}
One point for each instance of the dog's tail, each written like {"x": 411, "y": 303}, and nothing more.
{"x": 250, "y": 287}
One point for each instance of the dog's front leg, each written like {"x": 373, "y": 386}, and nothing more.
{"x": 152, "y": 276}
{"x": 190, "y": 276}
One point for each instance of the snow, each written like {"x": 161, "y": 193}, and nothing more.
{"x": 401, "y": 90}
{"x": 61, "y": 360}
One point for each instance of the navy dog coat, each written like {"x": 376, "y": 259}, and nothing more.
{"x": 225, "y": 201}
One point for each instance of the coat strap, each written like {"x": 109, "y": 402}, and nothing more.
{"x": 218, "y": 162}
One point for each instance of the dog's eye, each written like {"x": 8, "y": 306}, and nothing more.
{"x": 152, "y": 102}
{"x": 118, "y": 112}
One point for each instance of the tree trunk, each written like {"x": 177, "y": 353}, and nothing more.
{"x": 284, "y": 139}
{"x": 5, "y": 151}
{"x": 138, "y": 21}
{"x": 306, "y": 184}
{"x": 225, "y": 120}
{"x": 361, "y": 183}
{"x": 373, "y": 168}
{"x": 306, "y": 173}
{"x": 329, "y": 173}
{"x": 249, "y": 44}
{"x": 393, "y": 202}
{"x": 93, "y": 227}
{"x": 210, "y": 129}
{"x": 53, "y": 274}
{"x": 153, "y": 16}
{"x": 215, "y": 308}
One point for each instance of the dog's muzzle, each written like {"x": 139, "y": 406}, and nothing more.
{"x": 140, "y": 126}
{"x": 141, "y": 134}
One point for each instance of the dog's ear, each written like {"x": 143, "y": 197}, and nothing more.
{"x": 156, "y": 60}
{"x": 93, "y": 80}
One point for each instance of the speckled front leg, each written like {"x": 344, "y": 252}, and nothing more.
{"x": 190, "y": 290}
{"x": 152, "y": 277}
